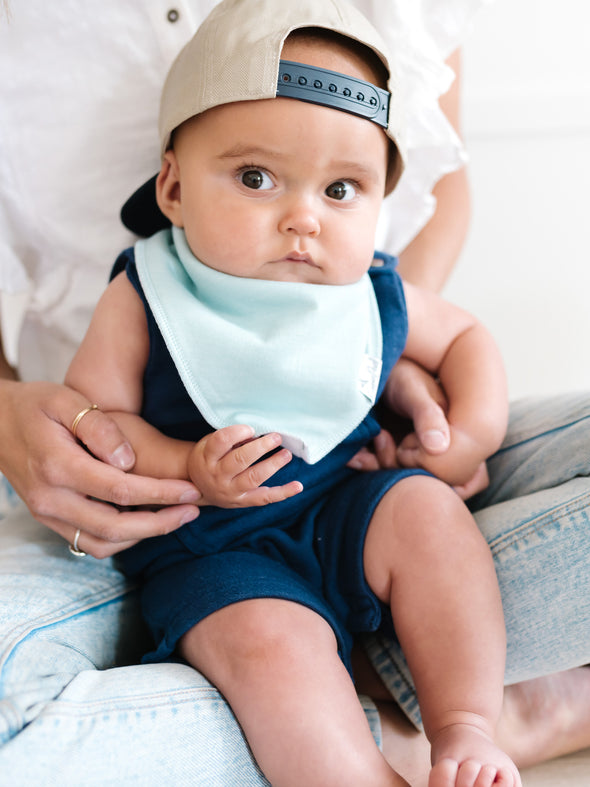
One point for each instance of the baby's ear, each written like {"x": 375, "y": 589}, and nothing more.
{"x": 168, "y": 189}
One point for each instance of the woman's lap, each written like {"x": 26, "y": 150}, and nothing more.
{"x": 65, "y": 621}
{"x": 540, "y": 538}
{"x": 65, "y": 710}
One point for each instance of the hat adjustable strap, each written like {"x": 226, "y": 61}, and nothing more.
{"x": 332, "y": 89}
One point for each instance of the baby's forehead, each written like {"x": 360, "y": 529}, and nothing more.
{"x": 325, "y": 49}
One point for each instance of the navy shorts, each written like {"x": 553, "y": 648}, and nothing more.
{"x": 317, "y": 561}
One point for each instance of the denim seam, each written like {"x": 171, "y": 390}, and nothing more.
{"x": 158, "y": 699}
{"x": 11, "y": 721}
{"x": 94, "y": 601}
{"x": 540, "y": 435}
{"x": 537, "y": 524}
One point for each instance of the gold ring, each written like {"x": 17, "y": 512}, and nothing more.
{"x": 78, "y": 418}
{"x": 74, "y": 549}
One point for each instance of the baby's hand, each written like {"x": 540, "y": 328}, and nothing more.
{"x": 225, "y": 468}
{"x": 461, "y": 465}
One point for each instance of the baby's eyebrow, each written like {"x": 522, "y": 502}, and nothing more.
{"x": 246, "y": 151}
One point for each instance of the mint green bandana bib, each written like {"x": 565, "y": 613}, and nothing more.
{"x": 300, "y": 359}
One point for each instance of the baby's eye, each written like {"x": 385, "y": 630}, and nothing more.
{"x": 341, "y": 190}
{"x": 256, "y": 179}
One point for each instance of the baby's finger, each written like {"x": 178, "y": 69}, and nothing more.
{"x": 271, "y": 494}
{"x": 223, "y": 441}
{"x": 244, "y": 457}
{"x": 256, "y": 474}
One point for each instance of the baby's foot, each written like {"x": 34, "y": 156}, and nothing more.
{"x": 462, "y": 754}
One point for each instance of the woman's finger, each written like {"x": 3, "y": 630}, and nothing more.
{"x": 107, "y": 530}
{"x": 103, "y": 438}
{"x": 89, "y": 477}
{"x": 385, "y": 450}
{"x": 364, "y": 460}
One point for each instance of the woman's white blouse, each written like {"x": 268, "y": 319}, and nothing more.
{"x": 79, "y": 97}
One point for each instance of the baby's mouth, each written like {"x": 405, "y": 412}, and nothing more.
{"x": 299, "y": 257}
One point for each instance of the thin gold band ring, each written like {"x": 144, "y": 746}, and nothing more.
{"x": 78, "y": 418}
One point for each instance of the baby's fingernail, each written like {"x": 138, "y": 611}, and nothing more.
{"x": 434, "y": 440}
{"x": 122, "y": 457}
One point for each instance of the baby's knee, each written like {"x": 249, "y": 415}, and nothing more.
{"x": 253, "y": 634}
{"x": 414, "y": 522}
{"x": 412, "y": 508}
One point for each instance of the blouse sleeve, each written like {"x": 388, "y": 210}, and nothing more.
{"x": 421, "y": 34}
{"x": 13, "y": 274}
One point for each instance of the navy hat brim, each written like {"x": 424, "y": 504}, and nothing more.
{"x": 141, "y": 214}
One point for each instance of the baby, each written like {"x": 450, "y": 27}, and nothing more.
{"x": 244, "y": 348}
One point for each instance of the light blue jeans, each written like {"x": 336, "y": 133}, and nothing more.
{"x": 71, "y": 713}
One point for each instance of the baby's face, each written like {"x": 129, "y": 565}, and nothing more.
{"x": 281, "y": 189}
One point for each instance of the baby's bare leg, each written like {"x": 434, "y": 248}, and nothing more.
{"x": 425, "y": 556}
{"x": 276, "y": 662}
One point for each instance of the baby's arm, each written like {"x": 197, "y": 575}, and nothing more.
{"x": 109, "y": 368}
{"x": 455, "y": 346}
{"x": 226, "y": 466}
{"x": 109, "y": 364}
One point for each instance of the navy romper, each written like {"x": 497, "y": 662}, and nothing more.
{"x": 307, "y": 549}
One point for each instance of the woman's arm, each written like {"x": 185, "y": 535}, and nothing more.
{"x": 453, "y": 345}
{"x": 429, "y": 259}
{"x": 109, "y": 364}
{"x": 427, "y": 262}
{"x": 63, "y": 484}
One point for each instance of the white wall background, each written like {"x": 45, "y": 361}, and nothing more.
{"x": 525, "y": 270}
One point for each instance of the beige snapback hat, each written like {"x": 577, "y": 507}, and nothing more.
{"x": 235, "y": 55}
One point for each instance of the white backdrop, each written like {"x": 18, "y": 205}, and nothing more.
{"x": 525, "y": 270}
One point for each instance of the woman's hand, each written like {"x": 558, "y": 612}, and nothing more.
{"x": 460, "y": 465}
{"x": 417, "y": 401}
{"x": 66, "y": 488}
{"x": 416, "y": 415}
{"x": 229, "y": 468}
